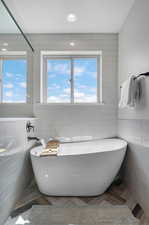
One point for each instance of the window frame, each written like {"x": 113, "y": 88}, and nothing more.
{"x": 13, "y": 56}
{"x": 71, "y": 56}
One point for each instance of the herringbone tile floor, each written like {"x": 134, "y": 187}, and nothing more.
{"x": 115, "y": 195}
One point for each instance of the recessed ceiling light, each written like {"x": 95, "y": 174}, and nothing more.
{"x": 71, "y": 17}
{"x": 72, "y": 44}
{"x": 5, "y": 44}
{"x": 4, "y": 49}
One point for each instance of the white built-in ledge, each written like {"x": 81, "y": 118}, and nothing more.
{"x": 16, "y": 118}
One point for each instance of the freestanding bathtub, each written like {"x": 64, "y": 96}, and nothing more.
{"x": 80, "y": 169}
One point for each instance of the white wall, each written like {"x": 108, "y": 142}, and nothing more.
{"x": 134, "y": 54}
{"x": 98, "y": 121}
{"x": 133, "y": 124}
{"x": 75, "y": 120}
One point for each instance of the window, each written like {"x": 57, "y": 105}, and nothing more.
{"x": 13, "y": 79}
{"x": 71, "y": 79}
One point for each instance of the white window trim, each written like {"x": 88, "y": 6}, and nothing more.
{"x": 43, "y": 82}
{"x": 13, "y": 55}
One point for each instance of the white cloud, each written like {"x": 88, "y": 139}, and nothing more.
{"x": 79, "y": 97}
{"x": 67, "y": 90}
{"x": 86, "y": 99}
{"x": 82, "y": 86}
{"x": 22, "y": 84}
{"x": 61, "y": 68}
{"x": 8, "y": 85}
{"x": 58, "y": 99}
{"x": 54, "y": 86}
{"x": 9, "y": 94}
{"x": 92, "y": 89}
{"x": 18, "y": 75}
{"x": 14, "y": 101}
{"x": 7, "y": 101}
{"x": 9, "y": 74}
{"x": 79, "y": 70}
{"x": 88, "y": 88}
{"x": 93, "y": 74}
{"x": 78, "y": 94}
{"x": 64, "y": 96}
{"x": 52, "y": 75}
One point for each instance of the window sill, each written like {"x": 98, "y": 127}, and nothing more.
{"x": 15, "y": 103}
{"x": 16, "y": 118}
{"x": 71, "y": 104}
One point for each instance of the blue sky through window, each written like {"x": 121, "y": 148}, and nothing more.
{"x": 59, "y": 74}
{"x": 14, "y": 77}
{"x": 85, "y": 80}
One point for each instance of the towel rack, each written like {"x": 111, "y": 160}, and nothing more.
{"x": 141, "y": 74}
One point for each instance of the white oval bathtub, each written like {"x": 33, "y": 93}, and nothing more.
{"x": 80, "y": 169}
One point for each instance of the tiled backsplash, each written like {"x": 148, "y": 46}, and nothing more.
{"x": 15, "y": 129}
{"x": 70, "y": 121}
{"x": 136, "y": 165}
{"x": 134, "y": 131}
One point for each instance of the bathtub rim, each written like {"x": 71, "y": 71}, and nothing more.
{"x": 32, "y": 154}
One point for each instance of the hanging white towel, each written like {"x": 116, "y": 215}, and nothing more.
{"x": 139, "y": 89}
{"x": 128, "y": 90}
